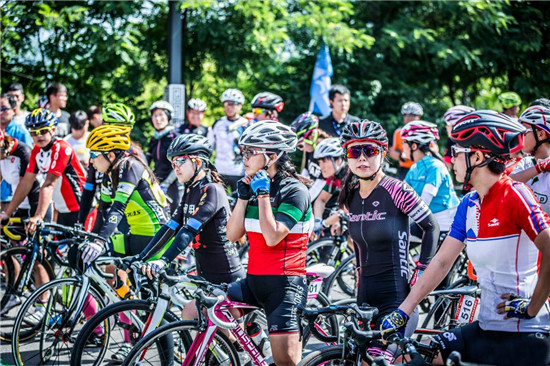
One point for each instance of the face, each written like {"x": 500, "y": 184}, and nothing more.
{"x": 260, "y": 114}
{"x": 42, "y": 136}
{"x": 449, "y": 129}
{"x": 59, "y": 99}
{"x": 95, "y": 120}
{"x": 406, "y": 149}
{"x": 99, "y": 160}
{"x": 78, "y": 134}
{"x": 327, "y": 167}
{"x": 231, "y": 109}
{"x": 159, "y": 119}
{"x": 340, "y": 104}
{"x": 19, "y": 97}
{"x": 363, "y": 165}
{"x": 6, "y": 111}
{"x": 254, "y": 160}
{"x": 194, "y": 117}
{"x": 184, "y": 168}
{"x": 409, "y": 118}
{"x": 512, "y": 112}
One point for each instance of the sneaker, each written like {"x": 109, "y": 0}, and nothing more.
{"x": 12, "y": 302}
{"x": 94, "y": 341}
{"x": 36, "y": 317}
{"x": 121, "y": 354}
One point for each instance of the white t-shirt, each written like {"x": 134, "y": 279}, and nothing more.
{"x": 79, "y": 147}
{"x": 223, "y": 141}
{"x": 540, "y": 184}
{"x": 20, "y": 120}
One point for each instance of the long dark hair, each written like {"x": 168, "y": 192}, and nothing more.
{"x": 425, "y": 148}
{"x": 211, "y": 170}
{"x": 285, "y": 165}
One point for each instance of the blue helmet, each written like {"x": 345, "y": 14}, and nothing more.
{"x": 40, "y": 118}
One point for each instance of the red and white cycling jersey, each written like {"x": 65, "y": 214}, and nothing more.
{"x": 499, "y": 232}
{"x": 60, "y": 160}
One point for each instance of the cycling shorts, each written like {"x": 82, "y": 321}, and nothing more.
{"x": 279, "y": 296}
{"x": 496, "y": 348}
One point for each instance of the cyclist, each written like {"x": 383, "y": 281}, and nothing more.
{"x": 306, "y": 127}
{"x": 330, "y": 155}
{"x": 428, "y": 176}
{"x": 200, "y": 219}
{"x": 411, "y": 111}
{"x": 504, "y": 230}
{"x": 195, "y": 114}
{"x": 222, "y": 138}
{"x": 382, "y": 206}
{"x": 165, "y": 133}
{"x": 267, "y": 106}
{"x": 534, "y": 169}
{"x": 274, "y": 210}
{"x": 510, "y": 103}
{"x": 452, "y": 115}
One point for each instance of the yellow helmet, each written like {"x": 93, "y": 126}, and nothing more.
{"x": 108, "y": 138}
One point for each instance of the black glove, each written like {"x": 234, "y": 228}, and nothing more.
{"x": 244, "y": 192}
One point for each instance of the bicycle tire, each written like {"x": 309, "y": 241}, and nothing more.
{"x": 219, "y": 343}
{"x": 330, "y": 355}
{"x": 443, "y": 310}
{"x": 59, "y": 301}
{"x": 7, "y": 257}
{"x": 318, "y": 250}
{"x": 329, "y": 323}
{"x": 109, "y": 316}
{"x": 348, "y": 285}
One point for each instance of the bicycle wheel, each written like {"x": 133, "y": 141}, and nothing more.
{"x": 343, "y": 282}
{"x": 13, "y": 266}
{"x": 107, "y": 331}
{"x": 49, "y": 337}
{"x": 326, "y": 323}
{"x": 326, "y": 250}
{"x": 442, "y": 313}
{"x": 149, "y": 350}
{"x": 330, "y": 355}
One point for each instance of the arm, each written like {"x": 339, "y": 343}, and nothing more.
{"x": 428, "y": 193}
{"x": 235, "y": 225}
{"x": 320, "y": 204}
{"x": 46, "y": 194}
{"x": 434, "y": 274}
{"x": 272, "y": 230}
{"x": 542, "y": 289}
{"x": 525, "y": 175}
{"x": 87, "y": 195}
{"x": 22, "y": 190}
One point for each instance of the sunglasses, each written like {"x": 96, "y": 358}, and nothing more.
{"x": 95, "y": 154}
{"x": 258, "y": 111}
{"x": 178, "y": 161}
{"x": 3, "y": 109}
{"x": 249, "y": 152}
{"x": 232, "y": 103}
{"x": 369, "y": 151}
{"x": 455, "y": 150}
{"x": 40, "y": 131}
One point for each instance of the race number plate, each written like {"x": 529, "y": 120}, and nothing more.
{"x": 314, "y": 288}
{"x": 466, "y": 309}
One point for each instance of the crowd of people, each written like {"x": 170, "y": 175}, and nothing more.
{"x": 150, "y": 205}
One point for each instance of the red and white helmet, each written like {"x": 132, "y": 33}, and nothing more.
{"x": 421, "y": 132}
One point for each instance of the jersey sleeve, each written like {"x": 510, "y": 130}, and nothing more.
{"x": 62, "y": 153}
{"x": 209, "y": 204}
{"x": 32, "y": 167}
{"x": 530, "y": 216}
{"x": 293, "y": 206}
{"x": 458, "y": 227}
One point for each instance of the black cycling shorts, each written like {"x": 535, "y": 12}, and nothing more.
{"x": 277, "y": 295}
{"x": 219, "y": 278}
{"x": 496, "y": 348}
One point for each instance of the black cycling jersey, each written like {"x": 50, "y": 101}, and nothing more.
{"x": 187, "y": 128}
{"x": 312, "y": 167}
{"x": 333, "y": 128}
{"x": 379, "y": 228}
{"x": 157, "y": 153}
{"x": 200, "y": 218}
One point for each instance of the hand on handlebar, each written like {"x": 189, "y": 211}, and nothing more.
{"x": 3, "y": 219}
{"x": 32, "y": 224}
{"x": 92, "y": 251}
{"x": 153, "y": 268}
{"x": 396, "y": 321}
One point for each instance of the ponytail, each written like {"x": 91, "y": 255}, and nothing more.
{"x": 426, "y": 148}
{"x": 285, "y": 165}
{"x": 215, "y": 177}
{"x": 348, "y": 187}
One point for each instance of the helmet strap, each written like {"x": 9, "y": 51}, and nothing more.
{"x": 537, "y": 141}
{"x": 115, "y": 160}
{"x": 374, "y": 174}
{"x": 267, "y": 165}
{"x": 466, "y": 186}
{"x": 197, "y": 171}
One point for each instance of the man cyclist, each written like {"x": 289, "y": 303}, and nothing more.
{"x": 510, "y": 103}
{"x": 505, "y": 231}
{"x": 195, "y": 114}
{"x": 411, "y": 111}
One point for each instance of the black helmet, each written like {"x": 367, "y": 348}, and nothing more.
{"x": 364, "y": 130}
{"x": 489, "y": 131}
{"x": 267, "y": 100}
{"x": 189, "y": 144}
{"x": 304, "y": 123}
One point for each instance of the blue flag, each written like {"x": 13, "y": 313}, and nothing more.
{"x": 320, "y": 83}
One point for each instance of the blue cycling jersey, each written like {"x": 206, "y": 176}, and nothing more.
{"x": 430, "y": 170}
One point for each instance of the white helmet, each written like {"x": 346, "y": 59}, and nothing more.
{"x": 233, "y": 95}
{"x": 455, "y": 113}
{"x": 164, "y": 105}
{"x": 197, "y": 104}
{"x": 412, "y": 108}
{"x": 329, "y": 148}
{"x": 269, "y": 135}
{"x": 421, "y": 132}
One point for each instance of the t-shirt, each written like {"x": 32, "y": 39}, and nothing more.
{"x": 60, "y": 159}
{"x": 540, "y": 184}
{"x": 398, "y": 145}
{"x": 20, "y": 133}
{"x": 79, "y": 146}
{"x": 499, "y": 232}
{"x": 20, "y": 119}
{"x": 223, "y": 141}
{"x": 12, "y": 169}
{"x": 63, "y": 126}
{"x": 333, "y": 128}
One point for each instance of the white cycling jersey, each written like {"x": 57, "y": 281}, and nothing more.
{"x": 540, "y": 184}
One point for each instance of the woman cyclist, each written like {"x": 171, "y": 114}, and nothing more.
{"x": 379, "y": 211}
{"x": 428, "y": 175}
{"x": 534, "y": 169}
{"x": 330, "y": 155}
{"x": 274, "y": 210}
{"x": 505, "y": 231}
{"x": 165, "y": 133}
{"x": 200, "y": 218}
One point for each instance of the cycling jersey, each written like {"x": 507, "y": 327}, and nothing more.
{"x": 334, "y": 128}
{"x": 333, "y": 186}
{"x": 379, "y": 228}
{"x": 398, "y": 146}
{"x": 59, "y": 158}
{"x": 313, "y": 172}
{"x": 187, "y": 128}
{"x": 223, "y": 142}
{"x": 202, "y": 213}
{"x": 12, "y": 169}
{"x": 499, "y": 233}
{"x": 291, "y": 206}
{"x": 20, "y": 133}
{"x": 134, "y": 195}
{"x": 540, "y": 184}
{"x": 156, "y": 152}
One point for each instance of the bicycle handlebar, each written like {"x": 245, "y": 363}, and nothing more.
{"x": 211, "y": 302}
